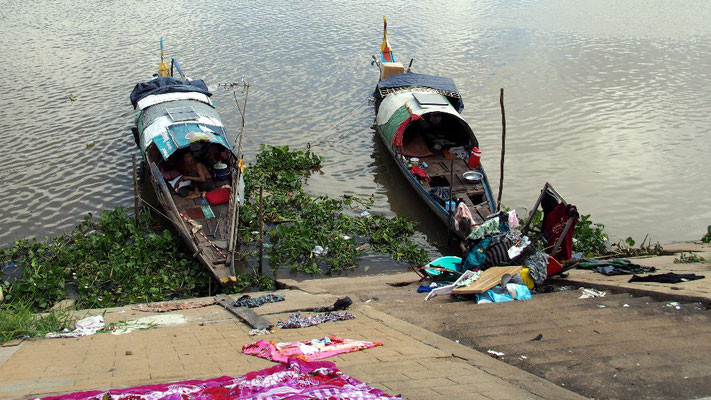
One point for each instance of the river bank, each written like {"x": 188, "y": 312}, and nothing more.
{"x": 122, "y": 259}
{"x": 433, "y": 350}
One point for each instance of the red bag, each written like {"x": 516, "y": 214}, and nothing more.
{"x": 218, "y": 196}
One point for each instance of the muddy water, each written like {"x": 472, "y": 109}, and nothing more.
{"x": 606, "y": 100}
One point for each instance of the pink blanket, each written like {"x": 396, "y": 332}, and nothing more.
{"x": 294, "y": 380}
{"x": 316, "y": 349}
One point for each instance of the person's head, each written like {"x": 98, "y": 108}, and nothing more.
{"x": 188, "y": 157}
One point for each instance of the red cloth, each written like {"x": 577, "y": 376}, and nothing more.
{"x": 294, "y": 380}
{"x": 218, "y": 196}
{"x": 397, "y": 139}
{"x": 419, "y": 172}
{"x": 553, "y": 224}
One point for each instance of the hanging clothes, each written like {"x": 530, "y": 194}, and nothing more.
{"x": 463, "y": 213}
{"x": 554, "y": 223}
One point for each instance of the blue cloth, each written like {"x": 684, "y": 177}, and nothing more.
{"x": 477, "y": 257}
{"x": 166, "y": 84}
{"x": 430, "y": 81}
{"x": 425, "y": 288}
{"x": 497, "y": 294}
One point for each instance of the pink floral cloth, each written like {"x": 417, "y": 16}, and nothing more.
{"x": 295, "y": 380}
{"x": 316, "y": 349}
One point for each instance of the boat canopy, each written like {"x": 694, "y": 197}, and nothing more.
{"x": 422, "y": 119}
{"x": 439, "y": 84}
{"x": 166, "y": 84}
{"x": 177, "y": 124}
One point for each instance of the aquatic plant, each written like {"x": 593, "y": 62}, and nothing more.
{"x": 107, "y": 262}
{"x": 316, "y": 234}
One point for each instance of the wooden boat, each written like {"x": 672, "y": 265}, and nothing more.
{"x": 418, "y": 118}
{"x": 175, "y": 117}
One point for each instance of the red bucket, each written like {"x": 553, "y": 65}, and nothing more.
{"x": 474, "y": 158}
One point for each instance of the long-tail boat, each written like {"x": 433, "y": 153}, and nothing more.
{"x": 418, "y": 117}
{"x": 177, "y": 129}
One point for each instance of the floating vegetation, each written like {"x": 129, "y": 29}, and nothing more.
{"x": 113, "y": 261}
{"x": 316, "y": 234}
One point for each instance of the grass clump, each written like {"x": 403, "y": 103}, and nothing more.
{"x": 707, "y": 236}
{"x": 20, "y": 320}
{"x": 689, "y": 258}
{"x": 298, "y": 222}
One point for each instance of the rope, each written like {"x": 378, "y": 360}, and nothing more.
{"x": 344, "y": 134}
{"x": 186, "y": 220}
{"x": 203, "y": 236}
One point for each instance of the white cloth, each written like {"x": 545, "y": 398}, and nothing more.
{"x": 83, "y": 327}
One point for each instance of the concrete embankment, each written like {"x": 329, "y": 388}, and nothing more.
{"x": 627, "y": 344}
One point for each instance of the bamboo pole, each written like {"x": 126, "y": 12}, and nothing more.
{"x": 261, "y": 228}
{"x": 135, "y": 187}
{"x": 448, "y": 206}
{"x": 503, "y": 150}
{"x": 235, "y": 212}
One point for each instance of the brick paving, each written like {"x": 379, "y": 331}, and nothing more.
{"x": 413, "y": 362}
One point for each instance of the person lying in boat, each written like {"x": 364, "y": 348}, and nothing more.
{"x": 196, "y": 174}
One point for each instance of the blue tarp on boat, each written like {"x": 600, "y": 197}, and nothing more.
{"x": 430, "y": 81}
{"x": 166, "y": 85}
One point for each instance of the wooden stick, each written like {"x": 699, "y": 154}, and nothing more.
{"x": 235, "y": 180}
{"x": 503, "y": 150}
{"x": 135, "y": 188}
{"x": 448, "y": 206}
{"x": 261, "y": 228}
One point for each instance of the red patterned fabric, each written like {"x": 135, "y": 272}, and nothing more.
{"x": 553, "y": 224}
{"x": 295, "y": 380}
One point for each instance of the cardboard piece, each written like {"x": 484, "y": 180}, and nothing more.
{"x": 488, "y": 279}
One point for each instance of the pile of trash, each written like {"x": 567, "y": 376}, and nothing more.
{"x": 500, "y": 262}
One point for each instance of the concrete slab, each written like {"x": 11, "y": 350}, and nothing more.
{"x": 698, "y": 290}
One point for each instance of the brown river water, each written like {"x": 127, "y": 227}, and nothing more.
{"x": 609, "y": 101}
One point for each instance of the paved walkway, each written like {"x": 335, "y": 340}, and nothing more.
{"x": 413, "y": 362}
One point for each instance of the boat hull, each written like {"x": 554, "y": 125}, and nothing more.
{"x": 390, "y": 114}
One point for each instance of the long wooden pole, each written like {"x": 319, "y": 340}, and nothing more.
{"x": 261, "y": 228}
{"x": 448, "y": 206}
{"x": 503, "y": 150}
{"x": 135, "y": 188}
{"x": 235, "y": 182}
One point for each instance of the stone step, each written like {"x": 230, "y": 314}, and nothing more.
{"x": 607, "y": 328}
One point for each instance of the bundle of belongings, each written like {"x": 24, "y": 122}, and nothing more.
{"x": 482, "y": 272}
{"x": 497, "y": 243}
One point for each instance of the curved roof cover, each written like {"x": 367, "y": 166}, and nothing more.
{"x": 431, "y": 81}
{"x": 167, "y": 85}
